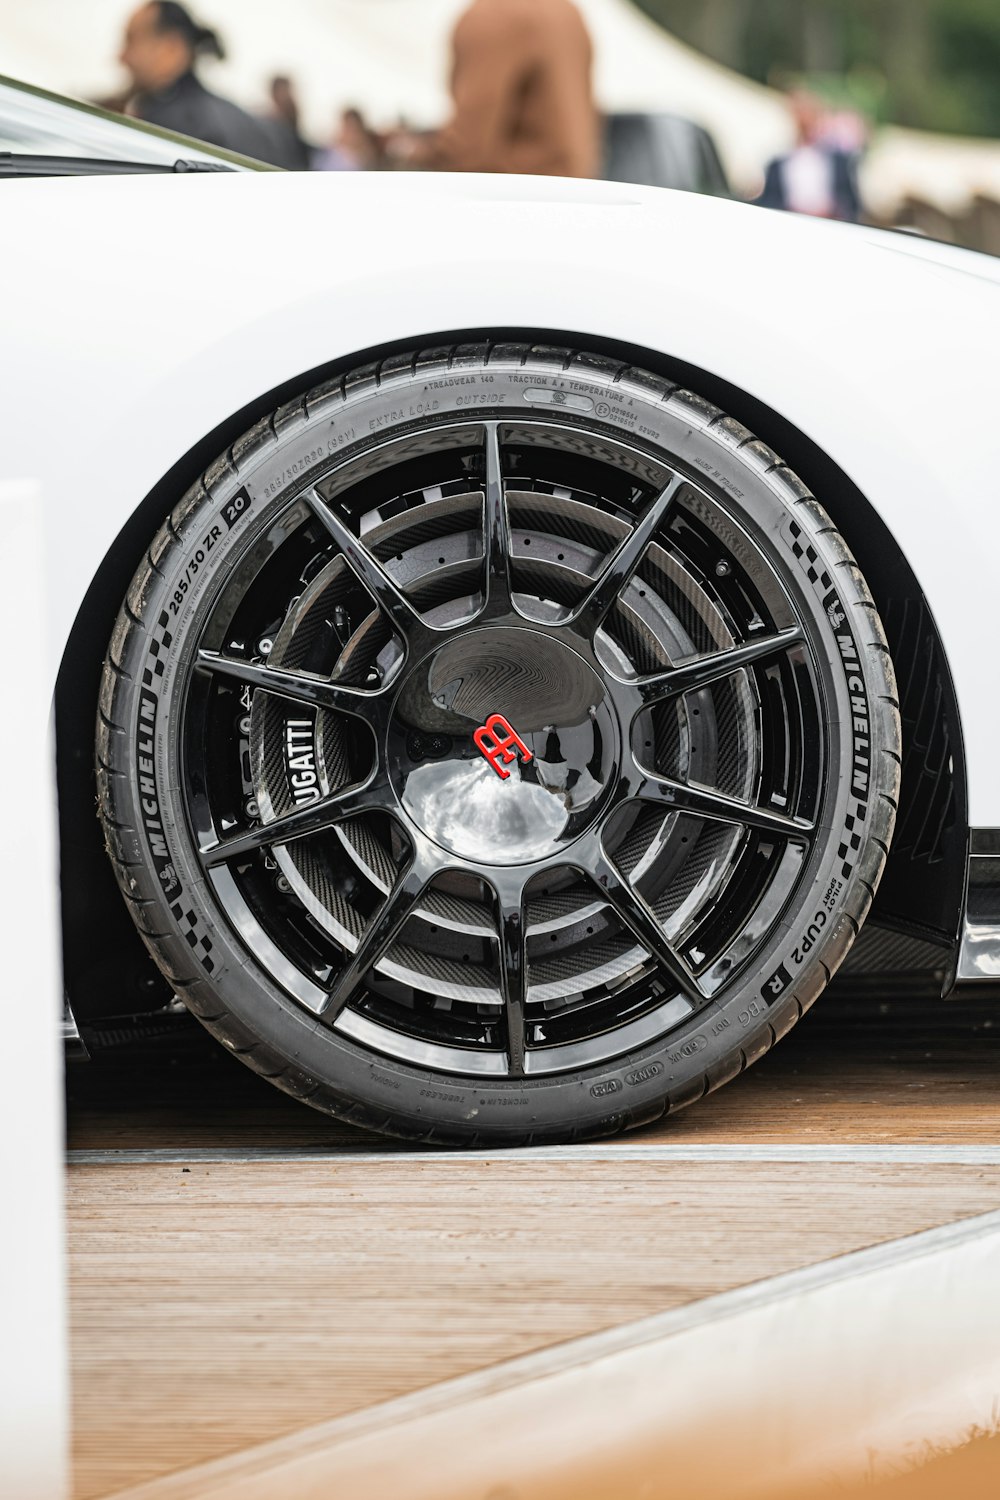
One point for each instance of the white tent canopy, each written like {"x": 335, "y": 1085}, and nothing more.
{"x": 390, "y": 58}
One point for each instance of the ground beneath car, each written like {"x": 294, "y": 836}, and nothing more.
{"x": 248, "y": 1267}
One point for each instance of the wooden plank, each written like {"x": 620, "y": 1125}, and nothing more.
{"x": 806, "y": 1410}
{"x": 219, "y": 1306}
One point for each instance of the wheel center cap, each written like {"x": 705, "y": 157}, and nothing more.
{"x": 503, "y": 746}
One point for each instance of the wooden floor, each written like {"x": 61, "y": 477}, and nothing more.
{"x": 219, "y": 1303}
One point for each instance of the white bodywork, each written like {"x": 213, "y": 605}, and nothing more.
{"x": 141, "y": 312}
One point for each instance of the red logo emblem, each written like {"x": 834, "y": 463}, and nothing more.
{"x": 500, "y": 744}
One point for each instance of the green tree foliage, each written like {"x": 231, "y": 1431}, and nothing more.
{"x": 929, "y": 63}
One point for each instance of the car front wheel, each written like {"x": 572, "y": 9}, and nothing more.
{"x": 499, "y": 744}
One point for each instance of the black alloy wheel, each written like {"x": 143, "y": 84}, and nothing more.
{"x": 503, "y": 761}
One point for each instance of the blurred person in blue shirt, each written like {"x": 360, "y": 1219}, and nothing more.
{"x": 354, "y": 147}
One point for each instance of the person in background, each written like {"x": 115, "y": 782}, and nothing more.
{"x": 160, "y": 50}
{"x": 522, "y": 94}
{"x": 816, "y": 177}
{"x": 285, "y": 110}
{"x": 354, "y": 147}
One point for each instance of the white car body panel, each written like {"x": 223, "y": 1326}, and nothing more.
{"x": 141, "y": 312}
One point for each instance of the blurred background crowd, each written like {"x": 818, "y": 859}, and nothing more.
{"x": 875, "y": 110}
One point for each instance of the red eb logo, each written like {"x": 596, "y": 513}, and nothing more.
{"x": 498, "y": 742}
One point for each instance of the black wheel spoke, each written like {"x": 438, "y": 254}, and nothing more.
{"x": 594, "y": 609}
{"x": 708, "y": 669}
{"x": 496, "y": 531}
{"x": 382, "y": 930}
{"x": 682, "y": 797}
{"x": 513, "y": 973}
{"x": 295, "y": 686}
{"x": 370, "y": 796}
{"x": 368, "y": 570}
{"x": 642, "y": 921}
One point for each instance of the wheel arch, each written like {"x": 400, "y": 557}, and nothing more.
{"x": 932, "y": 828}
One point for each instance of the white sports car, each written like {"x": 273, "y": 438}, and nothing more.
{"x": 510, "y": 629}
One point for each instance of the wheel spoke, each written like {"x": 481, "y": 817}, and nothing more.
{"x": 379, "y": 935}
{"x": 368, "y": 570}
{"x": 496, "y": 531}
{"x": 513, "y": 974}
{"x": 683, "y": 797}
{"x": 642, "y": 921}
{"x": 595, "y": 607}
{"x": 371, "y": 796}
{"x": 708, "y": 669}
{"x": 292, "y": 685}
